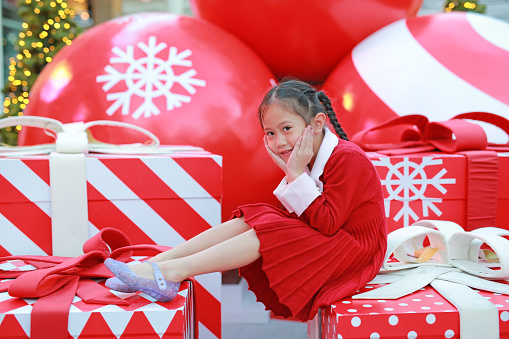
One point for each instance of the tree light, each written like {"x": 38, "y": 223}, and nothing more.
{"x": 45, "y": 38}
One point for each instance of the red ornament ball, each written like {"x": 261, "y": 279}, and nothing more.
{"x": 303, "y": 38}
{"x": 186, "y": 80}
{"x": 438, "y": 65}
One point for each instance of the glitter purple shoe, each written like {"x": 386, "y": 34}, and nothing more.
{"x": 118, "y": 285}
{"x": 159, "y": 288}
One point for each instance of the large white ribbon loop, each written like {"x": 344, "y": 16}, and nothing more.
{"x": 404, "y": 241}
{"x": 465, "y": 254}
{"x": 457, "y": 258}
{"x": 68, "y": 180}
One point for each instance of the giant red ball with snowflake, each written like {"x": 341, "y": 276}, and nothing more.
{"x": 186, "y": 80}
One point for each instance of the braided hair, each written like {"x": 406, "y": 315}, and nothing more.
{"x": 301, "y": 98}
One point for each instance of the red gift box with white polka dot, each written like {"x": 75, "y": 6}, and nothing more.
{"x": 422, "y": 314}
{"x": 144, "y": 317}
{"x": 437, "y": 186}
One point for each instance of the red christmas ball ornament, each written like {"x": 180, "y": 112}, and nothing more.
{"x": 438, "y": 65}
{"x": 186, "y": 80}
{"x": 302, "y": 38}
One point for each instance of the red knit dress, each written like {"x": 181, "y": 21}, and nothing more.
{"x": 330, "y": 245}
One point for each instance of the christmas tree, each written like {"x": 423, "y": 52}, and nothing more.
{"x": 464, "y": 6}
{"x": 47, "y": 27}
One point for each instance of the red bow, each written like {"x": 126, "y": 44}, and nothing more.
{"x": 56, "y": 280}
{"x": 414, "y": 133}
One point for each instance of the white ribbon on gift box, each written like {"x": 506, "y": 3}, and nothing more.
{"x": 458, "y": 252}
{"x": 68, "y": 179}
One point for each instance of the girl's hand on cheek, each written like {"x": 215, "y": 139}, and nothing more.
{"x": 276, "y": 158}
{"x": 301, "y": 155}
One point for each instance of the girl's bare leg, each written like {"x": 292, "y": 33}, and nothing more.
{"x": 204, "y": 240}
{"x": 232, "y": 253}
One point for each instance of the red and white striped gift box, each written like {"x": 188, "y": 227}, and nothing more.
{"x": 153, "y": 199}
{"x": 142, "y": 318}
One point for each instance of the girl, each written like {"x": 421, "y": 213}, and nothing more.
{"x": 330, "y": 240}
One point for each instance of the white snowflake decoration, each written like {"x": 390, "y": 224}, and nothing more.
{"x": 148, "y": 77}
{"x": 401, "y": 183}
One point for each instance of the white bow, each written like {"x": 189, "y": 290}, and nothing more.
{"x": 77, "y": 138}
{"x": 452, "y": 263}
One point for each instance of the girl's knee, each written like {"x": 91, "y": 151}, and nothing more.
{"x": 238, "y": 225}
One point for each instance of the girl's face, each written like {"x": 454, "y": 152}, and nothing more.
{"x": 282, "y": 130}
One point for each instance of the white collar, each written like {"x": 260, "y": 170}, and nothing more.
{"x": 330, "y": 140}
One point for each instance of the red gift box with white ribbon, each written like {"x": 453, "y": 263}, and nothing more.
{"x": 52, "y": 203}
{"x": 143, "y": 317}
{"x": 437, "y": 281}
{"x": 423, "y": 314}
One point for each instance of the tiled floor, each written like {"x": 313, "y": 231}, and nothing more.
{"x": 275, "y": 329}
